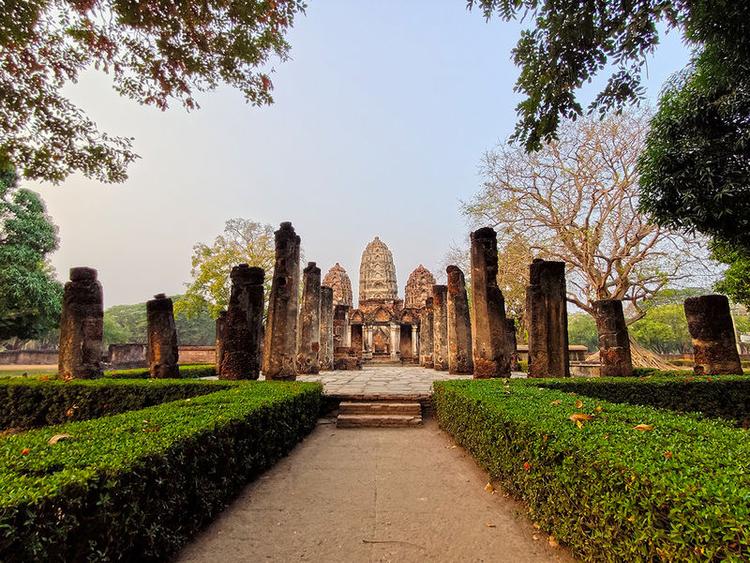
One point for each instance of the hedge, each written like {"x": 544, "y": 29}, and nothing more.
{"x": 136, "y": 486}
{"x": 186, "y": 372}
{"x": 31, "y": 403}
{"x": 677, "y": 490}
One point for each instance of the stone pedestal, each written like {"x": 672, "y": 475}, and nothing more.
{"x": 459, "y": 324}
{"x": 221, "y": 323}
{"x": 512, "y": 344}
{"x": 308, "y": 343}
{"x": 440, "y": 327}
{"x": 547, "y": 314}
{"x": 614, "y": 343}
{"x": 326, "y": 328}
{"x": 425, "y": 336}
{"x": 489, "y": 338}
{"x": 243, "y": 331}
{"x": 711, "y": 328}
{"x": 81, "y": 326}
{"x": 161, "y": 333}
{"x": 280, "y": 344}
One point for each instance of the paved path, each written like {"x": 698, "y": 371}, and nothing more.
{"x": 365, "y": 495}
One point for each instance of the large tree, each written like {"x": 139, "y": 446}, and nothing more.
{"x": 156, "y": 51}
{"x": 576, "y": 200}
{"x": 30, "y": 296}
{"x": 695, "y": 168}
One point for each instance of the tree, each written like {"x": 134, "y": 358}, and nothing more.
{"x": 582, "y": 330}
{"x": 156, "y": 51}
{"x": 664, "y": 330}
{"x": 30, "y": 296}
{"x": 243, "y": 241}
{"x": 735, "y": 281}
{"x": 576, "y": 200}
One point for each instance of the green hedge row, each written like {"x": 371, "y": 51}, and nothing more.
{"x": 186, "y": 372}
{"x": 31, "y": 403}
{"x": 136, "y": 486}
{"x": 677, "y": 490}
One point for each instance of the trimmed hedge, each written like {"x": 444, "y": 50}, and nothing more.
{"x": 680, "y": 492}
{"x": 31, "y": 403}
{"x": 186, "y": 372}
{"x": 136, "y": 486}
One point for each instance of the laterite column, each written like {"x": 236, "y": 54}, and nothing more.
{"x": 162, "y": 352}
{"x": 547, "y": 314}
{"x": 459, "y": 324}
{"x": 711, "y": 328}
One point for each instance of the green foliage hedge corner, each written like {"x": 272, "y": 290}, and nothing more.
{"x": 136, "y": 486}
{"x": 680, "y": 492}
{"x": 186, "y": 372}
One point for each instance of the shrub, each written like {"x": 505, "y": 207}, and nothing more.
{"x": 186, "y": 372}
{"x": 136, "y": 486}
{"x": 680, "y": 492}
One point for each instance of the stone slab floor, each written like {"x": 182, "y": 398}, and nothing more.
{"x": 365, "y": 495}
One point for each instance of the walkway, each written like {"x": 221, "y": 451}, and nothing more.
{"x": 370, "y": 495}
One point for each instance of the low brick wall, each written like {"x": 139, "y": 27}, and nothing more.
{"x": 28, "y": 357}
{"x": 197, "y": 354}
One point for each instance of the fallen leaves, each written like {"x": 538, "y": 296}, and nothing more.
{"x": 526, "y": 466}
{"x": 57, "y": 438}
{"x": 553, "y": 542}
{"x": 489, "y": 488}
{"x": 667, "y": 455}
{"x": 579, "y": 418}
{"x": 579, "y": 404}
{"x": 644, "y": 427}
{"x": 25, "y": 451}
{"x": 555, "y": 403}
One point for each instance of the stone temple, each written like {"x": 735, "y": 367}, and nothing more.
{"x": 383, "y": 327}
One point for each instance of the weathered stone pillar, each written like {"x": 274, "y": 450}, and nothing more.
{"x": 425, "y": 335}
{"x": 280, "y": 344}
{"x": 488, "y": 326}
{"x": 81, "y": 326}
{"x": 395, "y": 341}
{"x": 221, "y": 324}
{"x": 711, "y": 328}
{"x": 512, "y": 344}
{"x": 440, "y": 327}
{"x": 414, "y": 343}
{"x": 243, "y": 330}
{"x": 326, "y": 328}
{"x": 547, "y": 318}
{"x": 308, "y": 343}
{"x": 459, "y": 324}
{"x": 161, "y": 333}
{"x": 614, "y": 343}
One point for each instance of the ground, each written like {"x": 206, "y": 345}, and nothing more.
{"x": 373, "y": 495}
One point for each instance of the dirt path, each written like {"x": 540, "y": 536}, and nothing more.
{"x": 373, "y": 495}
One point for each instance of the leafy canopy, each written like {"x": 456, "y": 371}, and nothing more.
{"x": 156, "y": 51}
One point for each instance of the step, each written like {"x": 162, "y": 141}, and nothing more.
{"x": 377, "y": 420}
{"x": 412, "y": 408}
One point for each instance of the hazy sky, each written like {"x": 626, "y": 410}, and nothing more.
{"x": 379, "y": 123}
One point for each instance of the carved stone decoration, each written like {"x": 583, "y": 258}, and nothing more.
{"x": 326, "y": 328}
{"x": 377, "y": 273}
{"x": 418, "y": 288}
{"x": 81, "y": 326}
{"x": 614, "y": 342}
{"x": 710, "y": 324}
{"x": 425, "y": 336}
{"x": 440, "y": 327}
{"x": 308, "y": 341}
{"x": 459, "y": 324}
{"x": 338, "y": 280}
{"x": 161, "y": 332}
{"x": 243, "y": 331}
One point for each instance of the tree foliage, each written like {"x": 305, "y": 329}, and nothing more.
{"x": 30, "y": 296}
{"x": 156, "y": 51}
{"x": 582, "y": 330}
{"x": 735, "y": 281}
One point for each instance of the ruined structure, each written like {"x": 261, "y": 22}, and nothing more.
{"x": 280, "y": 344}
{"x": 161, "y": 332}
{"x": 425, "y": 335}
{"x": 418, "y": 288}
{"x": 308, "y": 341}
{"x": 614, "y": 343}
{"x": 547, "y": 314}
{"x": 515, "y": 364}
{"x": 459, "y": 324}
{"x": 326, "y": 328}
{"x": 440, "y": 327}
{"x": 81, "y": 326}
{"x": 338, "y": 280}
{"x": 710, "y": 324}
{"x": 221, "y": 323}
{"x": 491, "y": 350}
{"x": 243, "y": 330}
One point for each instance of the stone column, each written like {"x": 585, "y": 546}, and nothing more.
{"x": 547, "y": 314}
{"x": 243, "y": 330}
{"x": 395, "y": 340}
{"x": 81, "y": 326}
{"x": 425, "y": 335}
{"x": 326, "y": 328}
{"x": 488, "y": 327}
{"x": 280, "y": 343}
{"x": 512, "y": 345}
{"x": 221, "y": 323}
{"x": 161, "y": 333}
{"x": 440, "y": 327}
{"x": 347, "y": 330}
{"x": 308, "y": 343}
{"x": 614, "y": 342}
{"x": 459, "y": 324}
{"x": 414, "y": 343}
{"x": 711, "y": 328}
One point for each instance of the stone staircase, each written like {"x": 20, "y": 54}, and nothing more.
{"x": 379, "y": 414}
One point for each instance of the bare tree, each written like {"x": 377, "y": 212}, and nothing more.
{"x": 576, "y": 200}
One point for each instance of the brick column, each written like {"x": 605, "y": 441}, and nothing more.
{"x": 308, "y": 343}
{"x": 459, "y": 324}
{"x": 243, "y": 331}
{"x": 161, "y": 352}
{"x": 425, "y": 335}
{"x": 326, "y": 328}
{"x": 614, "y": 343}
{"x": 547, "y": 313}
{"x": 711, "y": 328}
{"x": 440, "y": 327}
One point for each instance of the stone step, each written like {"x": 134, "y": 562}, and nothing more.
{"x": 412, "y": 408}
{"x": 377, "y": 420}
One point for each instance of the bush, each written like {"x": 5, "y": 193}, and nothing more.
{"x": 186, "y": 372}
{"x": 31, "y": 403}
{"x": 680, "y": 492}
{"x": 136, "y": 486}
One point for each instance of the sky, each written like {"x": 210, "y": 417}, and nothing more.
{"x": 379, "y": 122}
